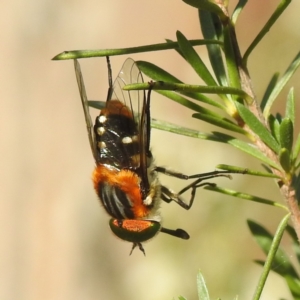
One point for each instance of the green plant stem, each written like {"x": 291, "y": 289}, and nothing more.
{"x": 279, "y": 10}
{"x": 287, "y": 190}
{"x": 289, "y": 194}
{"x": 246, "y": 85}
{"x": 169, "y": 86}
{"x": 270, "y": 257}
{"x": 75, "y": 54}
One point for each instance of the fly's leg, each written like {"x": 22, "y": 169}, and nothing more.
{"x": 140, "y": 247}
{"x": 179, "y": 233}
{"x": 168, "y": 195}
{"x": 110, "y": 83}
{"x": 202, "y": 176}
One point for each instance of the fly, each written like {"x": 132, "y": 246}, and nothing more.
{"x": 125, "y": 177}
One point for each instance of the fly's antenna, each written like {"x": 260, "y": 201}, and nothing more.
{"x": 110, "y": 84}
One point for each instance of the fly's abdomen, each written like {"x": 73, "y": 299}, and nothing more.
{"x": 120, "y": 193}
{"x": 116, "y": 136}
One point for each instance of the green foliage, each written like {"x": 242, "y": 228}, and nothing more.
{"x": 276, "y": 259}
{"x": 201, "y": 286}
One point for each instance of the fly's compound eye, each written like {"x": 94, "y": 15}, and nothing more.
{"x": 135, "y": 231}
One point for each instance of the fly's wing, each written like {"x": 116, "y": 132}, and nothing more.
{"x": 140, "y": 107}
{"x": 144, "y": 140}
{"x": 119, "y": 143}
{"x": 129, "y": 73}
{"x": 84, "y": 102}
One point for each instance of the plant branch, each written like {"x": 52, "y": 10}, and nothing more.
{"x": 286, "y": 188}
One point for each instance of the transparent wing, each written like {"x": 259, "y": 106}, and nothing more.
{"x": 84, "y": 102}
{"x": 134, "y": 155}
{"x": 129, "y": 73}
{"x": 140, "y": 107}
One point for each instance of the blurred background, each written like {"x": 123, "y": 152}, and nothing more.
{"x": 55, "y": 239}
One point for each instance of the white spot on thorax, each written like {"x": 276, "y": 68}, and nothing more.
{"x": 127, "y": 140}
{"x": 102, "y": 119}
{"x": 100, "y": 130}
{"x": 101, "y": 145}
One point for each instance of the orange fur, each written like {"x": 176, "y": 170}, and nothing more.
{"x": 127, "y": 181}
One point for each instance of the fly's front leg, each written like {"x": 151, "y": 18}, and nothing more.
{"x": 171, "y": 173}
{"x": 168, "y": 195}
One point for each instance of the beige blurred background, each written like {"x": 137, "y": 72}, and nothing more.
{"x": 55, "y": 242}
